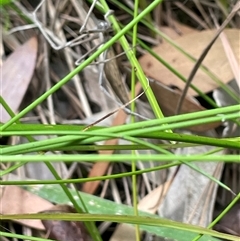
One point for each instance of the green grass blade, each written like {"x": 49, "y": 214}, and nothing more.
{"x": 95, "y": 205}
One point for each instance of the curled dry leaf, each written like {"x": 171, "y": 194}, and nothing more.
{"x": 65, "y": 230}
{"x": 194, "y": 43}
{"x": 17, "y": 73}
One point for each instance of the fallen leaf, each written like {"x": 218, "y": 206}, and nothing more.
{"x": 194, "y": 43}
{"x": 65, "y": 230}
{"x": 168, "y": 99}
{"x": 17, "y": 73}
{"x": 97, "y": 205}
{"x": 30, "y": 203}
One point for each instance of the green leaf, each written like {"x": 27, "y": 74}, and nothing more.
{"x": 96, "y": 205}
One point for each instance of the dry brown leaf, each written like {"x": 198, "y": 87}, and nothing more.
{"x": 65, "y": 230}
{"x": 17, "y": 72}
{"x": 194, "y": 44}
{"x": 29, "y": 203}
{"x": 168, "y": 99}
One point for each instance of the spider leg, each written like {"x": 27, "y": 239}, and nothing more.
{"x": 86, "y": 54}
{"x": 51, "y": 38}
{"x": 107, "y": 14}
{"x": 84, "y": 38}
{"x": 104, "y": 88}
{"x": 102, "y": 79}
{"x": 87, "y": 17}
